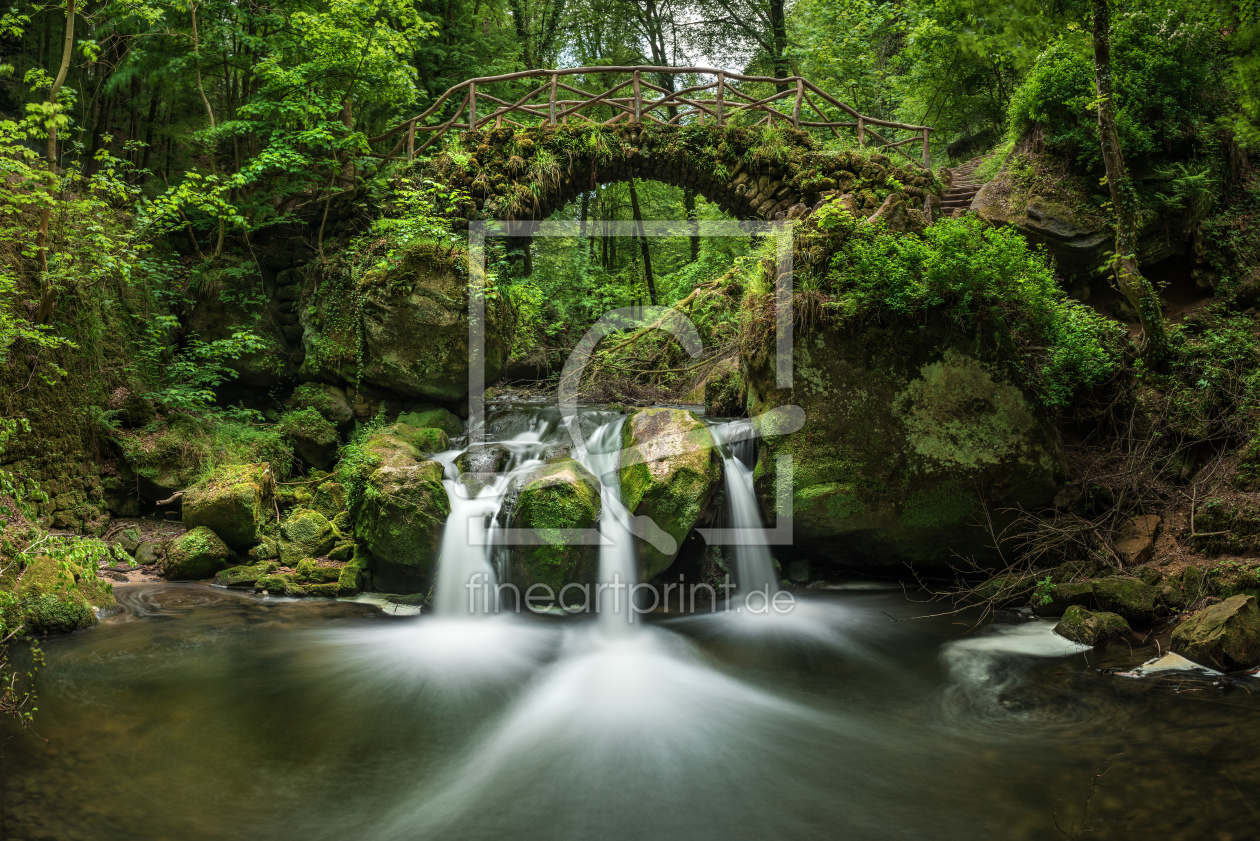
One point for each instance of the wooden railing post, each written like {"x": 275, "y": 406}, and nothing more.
{"x": 861, "y": 132}
{"x": 411, "y": 140}
{"x": 472, "y": 106}
{"x": 721, "y": 82}
{"x": 927, "y": 155}
{"x": 638, "y": 99}
{"x": 551, "y": 101}
{"x": 796, "y": 109}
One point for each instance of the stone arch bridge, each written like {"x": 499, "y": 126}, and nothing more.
{"x": 746, "y": 143}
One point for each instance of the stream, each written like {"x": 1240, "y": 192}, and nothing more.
{"x": 202, "y": 713}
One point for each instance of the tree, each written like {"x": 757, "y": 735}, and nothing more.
{"x": 1136, "y": 288}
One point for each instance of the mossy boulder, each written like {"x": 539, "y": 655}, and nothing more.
{"x": 669, "y": 470}
{"x": 194, "y": 555}
{"x": 327, "y": 399}
{"x": 246, "y": 575}
{"x": 305, "y": 533}
{"x": 1089, "y": 627}
{"x": 426, "y": 440}
{"x": 310, "y": 571}
{"x": 1132, "y": 598}
{"x": 235, "y": 502}
{"x": 1063, "y": 596}
{"x": 400, "y": 522}
{"x": 391, "y": 450}
{"x": 560, "y": 500}
{"x": 724, "y": 390}
{"x": 414, "y": 317}
{"x": 435, "y": 418}
{"x": 313, "y": 437}
{"x": 910, "y": 430}
{"x": 1006, "y": 589}
{"x": 167, "y": 458}
{"x": 1224, "y": 636}
{"x": 353, "y": 575}
{"x": 479, "y": 465}
{"x": 280, "y": 584}
{"x": 329, "y": 499}
{"x": 52, "y": 599}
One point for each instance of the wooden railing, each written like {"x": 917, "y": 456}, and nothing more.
{"x": 636, "y": 99}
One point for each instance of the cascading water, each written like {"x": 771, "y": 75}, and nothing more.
{"x": 754, "y": 568}
{"x": 617, "y": 569}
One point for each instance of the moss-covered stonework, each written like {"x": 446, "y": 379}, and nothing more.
{"x": 196, "y": 554}
{"x": 1224, "y": 636}
{"x": 403, "y": 327}
{"x": 1089, "y": 627}
{"x": 235, "y": 502}
{"x": 313, "y": 437}
{"x": 561, "y": 496}
{"x": 750, "y": 173}
{"x": 400, "y": 522}
{"x": 908, "y": 426}
{"x": 669, "y": 471}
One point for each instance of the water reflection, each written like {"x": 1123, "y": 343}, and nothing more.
{"x": 206, "y": 714}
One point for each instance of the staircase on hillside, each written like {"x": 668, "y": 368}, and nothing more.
{"x": 962, "y": 189}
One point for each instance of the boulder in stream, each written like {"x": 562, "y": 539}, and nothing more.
{"x": 235, "y": 501}
{"x": 194, "y": 555}
{"x": 1090, "y": 627}
{"x": 401, "y": 517}
{"x": 669, "y": 471}
{"x": 1225, "y": 636}
{"x": 560, "y": 500}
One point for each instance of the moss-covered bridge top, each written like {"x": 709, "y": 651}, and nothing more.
{"x": 750, "y": 172}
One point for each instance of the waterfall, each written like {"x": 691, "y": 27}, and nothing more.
{"x": 754, "y": 568}
{"x": 617, "y": 567}
{"x": 458, "y": 560}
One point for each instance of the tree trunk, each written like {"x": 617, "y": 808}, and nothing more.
{"x": 689, "y": 204}
{"x": 1137, "y": 289}
{"x": 48, "y": 292}
{"x": 643, "y": 244}
{"x": 778, "y": 41}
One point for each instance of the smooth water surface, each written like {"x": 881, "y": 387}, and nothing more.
{"x": 204, "y": 714}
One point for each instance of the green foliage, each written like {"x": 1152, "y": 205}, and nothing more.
{"x": 976, "y": 275}
{"x": 1043, "y": 593}
{"x": 188, "y": 374}
{"x": 1169, "y": 80}
{"x": 1210, "y": 387}
{"x": 355, "y": 462}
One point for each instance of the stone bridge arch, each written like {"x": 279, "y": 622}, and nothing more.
{"x": 750, "y": 172}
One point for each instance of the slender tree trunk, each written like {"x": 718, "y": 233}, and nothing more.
{"x": 148, "y": 131}
{"x": 48, "y": 293}
{"x": 778, "y": 41}
{"x": 689, "y": 204}
{"x": 205, "y": 101}
{"x": 1136, "y": 288}
{"x": 643, "y": 244}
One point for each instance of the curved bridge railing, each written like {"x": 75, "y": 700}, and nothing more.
{"x": 634, "y": 97}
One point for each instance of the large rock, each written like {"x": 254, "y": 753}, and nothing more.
{"x": 314, "y": 438}
{"x": 559, "y": 499}
{"x": 1225, "y": 636}
{"x": 669, "y": 470}
{"x": 214, "y": 318}
{"x": 329, "y": 400}
{"x": 437, "y": 418}
{"x": 305, "y": 534}
{"x": 1090, "y": 628}
{"x": 908, "y": 427}
{"x": 235, "y": 502}
{"x": 1072, "y": 230}
{"x": 1131, "y": 598}
{"x": 414, "y": 321}
{"x": 426, "y": 440}
{"x": 196, "y": 554}
{"x": 724, "y": 390}
{"x": 400, "y": 520}
{"x": 52, "y": 600}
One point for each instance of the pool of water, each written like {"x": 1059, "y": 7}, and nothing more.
{"x": 204, "y": 714}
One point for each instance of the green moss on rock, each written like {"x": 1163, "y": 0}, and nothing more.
{"x": 234, "y": 501}
{"x": 1131, "y": 598}
{"x": 246, "y": 575}
{"x": 329, "y": 400}
{"x": 669, "y": 471}
{"x": 196, "y": 554}
{"x": 1090, "y": 628}
{"x": 305, "y": 534}
{"x": 560, "y": 500}
{"x": 426, "y": 440}
{"x": 436, "y": 418}
{"x": 400, "y": 521}
{"x": 1224, "y": 636}
{"x": 313, "y": 437}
